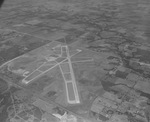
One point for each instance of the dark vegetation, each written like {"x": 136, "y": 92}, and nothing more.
{"x": 1, "y": 3}
{"x": 3, "y": 85}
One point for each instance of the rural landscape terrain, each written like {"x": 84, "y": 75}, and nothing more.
{"x": 75, "y": 61}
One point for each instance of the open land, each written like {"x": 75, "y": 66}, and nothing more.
{"x": 75, "y": 60}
